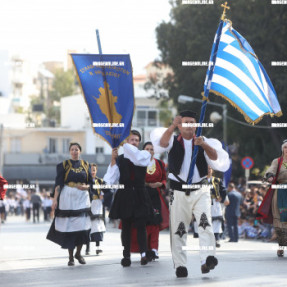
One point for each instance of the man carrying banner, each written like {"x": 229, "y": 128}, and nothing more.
{"x": 197, "y": 200}
{"x": 130, "y": 204}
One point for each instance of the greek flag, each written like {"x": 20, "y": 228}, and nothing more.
{"x": 239, "y": 77}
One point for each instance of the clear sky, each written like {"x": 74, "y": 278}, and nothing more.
{"x": 43, "y": 30}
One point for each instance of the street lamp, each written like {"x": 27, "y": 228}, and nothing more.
{"x": 182, "y": 99}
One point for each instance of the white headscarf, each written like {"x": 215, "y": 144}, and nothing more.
{"x": 284, "y": 143}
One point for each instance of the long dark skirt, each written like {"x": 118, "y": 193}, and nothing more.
{"x": 68, "y": 240}
{"x": 131, "y": 203}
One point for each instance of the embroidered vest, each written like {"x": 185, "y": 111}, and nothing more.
{"x": 176, "y": 156}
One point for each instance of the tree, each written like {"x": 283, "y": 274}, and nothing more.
{"x": 189, "y": 36}
{"x": 63, "y": 85}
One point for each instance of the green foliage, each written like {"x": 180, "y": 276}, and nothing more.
{"x": 63, "y": 85}
{"x": 189, "y": 36}
{"x": 165, "y": 115}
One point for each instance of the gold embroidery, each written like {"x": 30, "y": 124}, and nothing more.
{"x": 151, "y": 169}
{"x": 73, "y": 184}
{"x": 77, "y": 170}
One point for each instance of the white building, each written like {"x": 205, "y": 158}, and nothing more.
{"x": 17, "y": 82}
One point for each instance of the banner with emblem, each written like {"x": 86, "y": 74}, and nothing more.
{"x": 107, "y": 85}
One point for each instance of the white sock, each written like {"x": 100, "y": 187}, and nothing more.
{"x": 155, "y": 251}
{"x": 203, "y": 262}
{"x": 143, "y": 254}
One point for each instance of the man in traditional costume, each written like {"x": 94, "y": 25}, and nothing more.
{"x": 155, "y": 184}
{"x": 131, "y": 204}
{"x": 183, "y": 201}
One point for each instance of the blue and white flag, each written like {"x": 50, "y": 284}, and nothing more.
{"x": 239, "y": 77}
{"x": 107, "y": 85}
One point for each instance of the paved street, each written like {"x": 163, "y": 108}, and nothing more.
{"x": 28, "y": 259}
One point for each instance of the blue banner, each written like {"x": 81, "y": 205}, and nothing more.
{"x": 107, "y": 85}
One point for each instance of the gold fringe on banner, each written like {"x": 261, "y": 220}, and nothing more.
{"x": 246, "y": 117}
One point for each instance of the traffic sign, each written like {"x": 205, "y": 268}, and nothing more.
{"x": 247, "y": 162}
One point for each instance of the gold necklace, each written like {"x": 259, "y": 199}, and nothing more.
{"x": 285, "y": 164}
{"x": 151, "y": 169}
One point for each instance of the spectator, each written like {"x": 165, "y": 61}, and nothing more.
{"x": 232, "y": 212}
{"x": 36, "y": 204}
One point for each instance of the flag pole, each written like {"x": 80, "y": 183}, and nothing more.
{"x": 206, "y": 93}
{"x": 105, "y": 80}
{"x": 99, "y": 42}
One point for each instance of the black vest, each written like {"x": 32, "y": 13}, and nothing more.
{"x": 176, "y": 156}
{"x": 131, "y": 175}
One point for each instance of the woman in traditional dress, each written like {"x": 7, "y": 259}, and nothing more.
{"x": 274, "y": 204}
{"x": 71, "y": 225}
{"x": 97, "y": 217}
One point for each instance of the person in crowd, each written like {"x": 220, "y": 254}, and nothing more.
{"x": 27, "y": 207}
{"x": 47, "y": 206}
{"x": 232, "y": 211}
{"x": 36, "y": 202}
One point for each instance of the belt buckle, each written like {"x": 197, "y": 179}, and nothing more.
{"x": 187, "y": 192}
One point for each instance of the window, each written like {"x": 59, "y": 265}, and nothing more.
{"x": 152, "y": 121}
{"x": 16, "y": 145}
{"x": 53, "y": 145}
{"x": 99, "y": 150}
{"x": 141, "y": 118}
{"x": 65, "y": 146}
{"x": 146, "y": 118}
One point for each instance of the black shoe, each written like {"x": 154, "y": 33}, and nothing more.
{"x": 280, "y": 253}
{"x": 98, "y": 251}
{"x": 126, "y": 262}
{"x": 181, "y": 272}
{"x": 144, "y": 260}
{"x": 87, "y": 252}
{"x": 210, "y": 264}
{"x": 217, "y": 244}
{"x": 150, "y": 254}
{"x": 80, "y": 259}
{"x": 71, "y": 262}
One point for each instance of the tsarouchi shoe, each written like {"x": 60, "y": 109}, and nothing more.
{"x": 181, "y": 272}
{"x": 211, "y": 262}
{"x": 126, "y": 262}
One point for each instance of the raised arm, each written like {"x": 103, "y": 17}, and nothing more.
{"x": 165, "y": 139}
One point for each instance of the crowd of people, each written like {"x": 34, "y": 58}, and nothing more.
{"x": 28, "y": 203}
